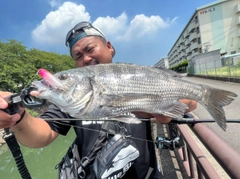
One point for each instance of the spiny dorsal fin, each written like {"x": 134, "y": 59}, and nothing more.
{"x": 170, "y": 72}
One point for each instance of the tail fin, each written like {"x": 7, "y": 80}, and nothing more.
{"x": 214, "y": 101}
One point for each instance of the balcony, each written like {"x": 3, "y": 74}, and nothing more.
{"x": 178, "y": 51}
{"x": 183, "y": 53}
{"x": 187, "y": 42}
{"x": 194, "y": 53}
{"x": 186, "y": 34}
{"x": 173, "y": 51}
{"x": 181, "y": 48}
{"x": 189, "y": 56}
{"x": 192, "y": 36}
{"x": 194, "y": 46}
{"x": 191, "y": 27}
{"x": 197, "y": 53}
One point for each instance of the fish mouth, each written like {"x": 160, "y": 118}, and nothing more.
{"x": 41, "y": 87}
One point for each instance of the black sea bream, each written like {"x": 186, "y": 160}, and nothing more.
{"x": 113, "y": 91}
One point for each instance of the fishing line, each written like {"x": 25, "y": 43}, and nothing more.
{"x": 177, "y": 121}
{"x": 84, "y": 119}
{"x": 93, "y": 130}
{"x": 29, "y": 82}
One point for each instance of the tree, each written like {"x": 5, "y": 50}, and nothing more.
{"x": 181, "y": 67}
{"x": 19, "y": 66}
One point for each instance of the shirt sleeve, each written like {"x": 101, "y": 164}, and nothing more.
{"x": 60, "y": 126}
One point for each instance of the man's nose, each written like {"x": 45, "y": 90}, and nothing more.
{"x": 87, "y": 59}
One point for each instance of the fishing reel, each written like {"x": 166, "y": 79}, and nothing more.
{"x": 175, "y": 140}
{"x": 23, "y": 99}
{"x": 165, "y": 143}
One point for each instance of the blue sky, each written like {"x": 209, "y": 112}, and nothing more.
{"x": 142, "y": 31}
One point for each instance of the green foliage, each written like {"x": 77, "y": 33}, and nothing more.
{"x": 19, "y": 65}
{"x": 227, "y": 71}
{"x": 238, "y": 62}
{"x": 181, "y": 67}
{"x": 33, "y": 113}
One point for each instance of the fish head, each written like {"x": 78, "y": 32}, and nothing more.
{"x": 67, "y": 90}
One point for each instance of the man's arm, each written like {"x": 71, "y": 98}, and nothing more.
{"x": 30, "y": 131}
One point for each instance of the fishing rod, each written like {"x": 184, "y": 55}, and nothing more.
{"x": 24, "y": 100}
{"x": 176, "y": 141}
{"x": 195, "y": 121}
{"x": 184, "y": 120}
{"x": 192, "y": 120}
{"x": 161, "y": 142}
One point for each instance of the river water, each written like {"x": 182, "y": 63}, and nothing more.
{"x": 40, "y": 162}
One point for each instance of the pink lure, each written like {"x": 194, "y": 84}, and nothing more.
{"x": 51, "y": 79}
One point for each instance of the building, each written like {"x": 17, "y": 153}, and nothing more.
{"x": 215, "y": 26}
{"x": 162, "y": 63}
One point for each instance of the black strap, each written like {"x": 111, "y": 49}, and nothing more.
{"x": 108, "y": 129}
{"x": 14, "y": 147}
{"x": 113, "y": 127}
{"x": 22, "y": 116}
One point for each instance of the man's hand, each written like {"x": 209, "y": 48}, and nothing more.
{"x": 7, "y": 120}
{"x": 164, "y": 119}
{"x": 191, "y": 106}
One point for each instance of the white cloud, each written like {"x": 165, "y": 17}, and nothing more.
{"x": 54, "y": 3}
{"x": 56, "y": 24}
{"x": 112, "y": 26}
{"x": 142, "y": 25}
{"x": 174, "y": 19}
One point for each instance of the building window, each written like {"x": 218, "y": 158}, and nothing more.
{"x": 196, "y": 19}
{"x": 199, "y": 40}
{"x": 233, "y": 52}
{"x": 197, "y": 30}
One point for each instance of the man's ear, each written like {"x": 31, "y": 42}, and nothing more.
{"x": 110, "y": 47}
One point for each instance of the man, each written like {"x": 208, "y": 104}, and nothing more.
{"x": 88, "y": 46}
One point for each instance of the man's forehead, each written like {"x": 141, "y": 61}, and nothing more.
{"x": 89, "y": 39}
{"x": 84, "y": 42}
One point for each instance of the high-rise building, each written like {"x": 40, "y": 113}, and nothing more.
{"x": 215, "y": 26}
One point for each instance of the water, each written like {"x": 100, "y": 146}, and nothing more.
{"x": 40, "y": 162}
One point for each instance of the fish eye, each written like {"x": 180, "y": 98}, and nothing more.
{"x": 63, "y": 76}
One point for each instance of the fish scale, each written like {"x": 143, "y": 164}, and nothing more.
{"x": 114, "y": 91}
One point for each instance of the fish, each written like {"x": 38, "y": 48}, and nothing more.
{"x": 115, "y": 91}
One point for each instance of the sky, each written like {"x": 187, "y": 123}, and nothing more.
{"x": 141, "y": 31}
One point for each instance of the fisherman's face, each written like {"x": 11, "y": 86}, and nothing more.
{"x": 92, "y": 50}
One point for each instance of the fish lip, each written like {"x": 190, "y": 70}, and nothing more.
{"x": 41, "y": 86}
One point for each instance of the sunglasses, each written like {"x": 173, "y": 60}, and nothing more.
{"x": 80, "y": 26}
